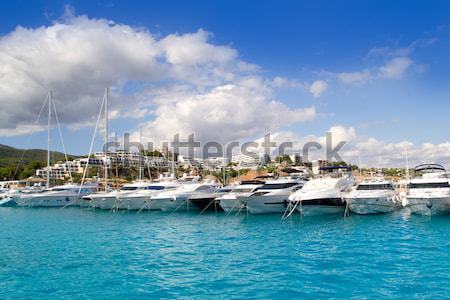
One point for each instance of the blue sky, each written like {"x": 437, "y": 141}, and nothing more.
{"x": 302, "y": 41}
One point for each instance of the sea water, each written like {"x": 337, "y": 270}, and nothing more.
{"x": 77, "y": 253}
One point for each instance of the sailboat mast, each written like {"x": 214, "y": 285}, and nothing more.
{"x": 106, "y": 139}
{"x": 140, "y": 154}
{"x": 49, "y": 137}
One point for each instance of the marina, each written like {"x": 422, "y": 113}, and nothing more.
{"x": 224, "y": 150}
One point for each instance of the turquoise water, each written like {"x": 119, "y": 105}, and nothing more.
{"x": 75, "y": 253}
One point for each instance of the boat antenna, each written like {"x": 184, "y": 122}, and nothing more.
{"x": 140, "y": 153}
{"x": 173, "y": 161}
{"x": 407, "y": 165}
{"x": 360, "y": 166}
{"x": 224, "y": 176}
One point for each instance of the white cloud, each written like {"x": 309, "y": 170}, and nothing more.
{"x": 395, "y": 68}
{"x": 183, "y": 81}
{"x": 354, "y": 77}
{"x": 76, "y": 60}
{"x": 370, "y": 151}
{"x": 398, "y": 51}
{"x": 194, "y": 59}
{"x": 318, "y": 87}
{"x": 225, "y": 113}
{"x": 282, "y": 82}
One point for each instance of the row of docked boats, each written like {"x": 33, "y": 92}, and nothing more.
{"x": 334, "y": 192}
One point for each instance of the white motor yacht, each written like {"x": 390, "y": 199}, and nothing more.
{"x": 323, "y": 195}
{"x": 178, "y": 199}
{"x": 141, "y": 199}
{"x": 64, "y": 195}
{"x": 208, "y": 200}
{"x": 372, "y": 197}
{"x": 429, "y": 192}
{"x": 236, "y": 200}
{"x": 108, "y": 200}
{"x": 272, "y": 196}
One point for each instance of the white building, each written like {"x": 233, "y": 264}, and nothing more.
{"x": 214, "y": 163}
{"x": 63, "y": 170}
{"x": 251, "y": 160}
{"x": 55, "y": 172}
{"x": 186, "y": 161}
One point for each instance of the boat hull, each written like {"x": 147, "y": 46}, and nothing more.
{"x": 316, "y": 207}
{"x": 48, "y": 201}
{"x": 274, "y": 204}
{"x": 372, "y": 205}
{"x": 7, "y": 202}
{"x": 85, "y": 203}
{"x": 172, "y": 204}
{"x": 231, "y": 204}
{"x": 207, "y": 204}
{"x": 137, "y": 203}
{"x": 107, "y": 203}
{"x": 429, "y": 205}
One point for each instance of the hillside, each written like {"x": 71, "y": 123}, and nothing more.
{"x": 10, "y": 155}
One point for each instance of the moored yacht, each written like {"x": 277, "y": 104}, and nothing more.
{"x": 141, "y": 199}
{"x": 178, "y": 199}
{"x": 323, "y": 195}
{"x": 429, "y": 192}
{"x": 236, "y": 200}
{"x": 207, "y": 200}
{"x": 58, "y": 196}
{"x": 112, "y": 200}
{"x": 272, "y": 196}
{"x": 372, "y": 197}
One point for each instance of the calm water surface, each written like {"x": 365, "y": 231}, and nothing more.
{"x": 76, "y": 253}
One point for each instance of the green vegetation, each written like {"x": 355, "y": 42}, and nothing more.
{"x": 12, "y": 167}
{"x": 284, "y": 158}
{"x": 229, "y": 173}
{"x": 343, "y": 163}
{"x": 154, "y": 153}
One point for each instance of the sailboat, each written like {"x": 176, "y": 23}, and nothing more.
{"x": 105, "y": 198}
{"x": 58, "y": 196}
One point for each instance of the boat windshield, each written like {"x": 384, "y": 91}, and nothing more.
{"x": 277, "y": 186}
{"x": 370, "y": 187}
{"x": 428, "y": 185}
{"x": 129, "y": 188}
{"x": 155, "y": 187}
{"x": 243, "y": 190}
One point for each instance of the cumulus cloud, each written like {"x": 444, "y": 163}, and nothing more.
{"x": 184, "y": 82}
{"x": 225, "y": 113}
{"x": 76, "y": 60}
{"x": 371, "y": 151}
{"x": 318, "y": 87}
{"x": 395, "y": 68}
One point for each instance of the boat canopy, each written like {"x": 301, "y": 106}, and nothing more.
{"x": 332, "y": 168}
{"x": 429, "y": 168}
